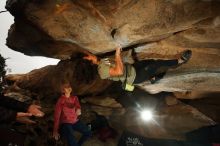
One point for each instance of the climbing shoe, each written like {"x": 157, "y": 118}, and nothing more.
{"x": 185, "y": 56}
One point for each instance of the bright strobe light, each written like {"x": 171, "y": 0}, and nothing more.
{"x": 146, "y": 115}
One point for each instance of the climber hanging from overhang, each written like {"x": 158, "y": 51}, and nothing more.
{"x": 128, "y": 74}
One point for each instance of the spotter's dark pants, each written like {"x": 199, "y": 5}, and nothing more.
{"x": 67, "y": 131}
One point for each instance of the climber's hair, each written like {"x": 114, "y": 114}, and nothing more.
{"x": 84, "y": 70}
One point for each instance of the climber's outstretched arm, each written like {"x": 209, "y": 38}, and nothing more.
{"x": 118, "y": 69}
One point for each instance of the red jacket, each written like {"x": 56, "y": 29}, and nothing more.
{"x": 65, "y": 111}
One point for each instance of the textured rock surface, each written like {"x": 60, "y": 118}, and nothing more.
{"x": 155, "y": 29}
{"x": 43, "y": 28}
{"x": 158, "y": 29}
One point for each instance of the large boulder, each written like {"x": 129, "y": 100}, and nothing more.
{"x": 154, "y": 29}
